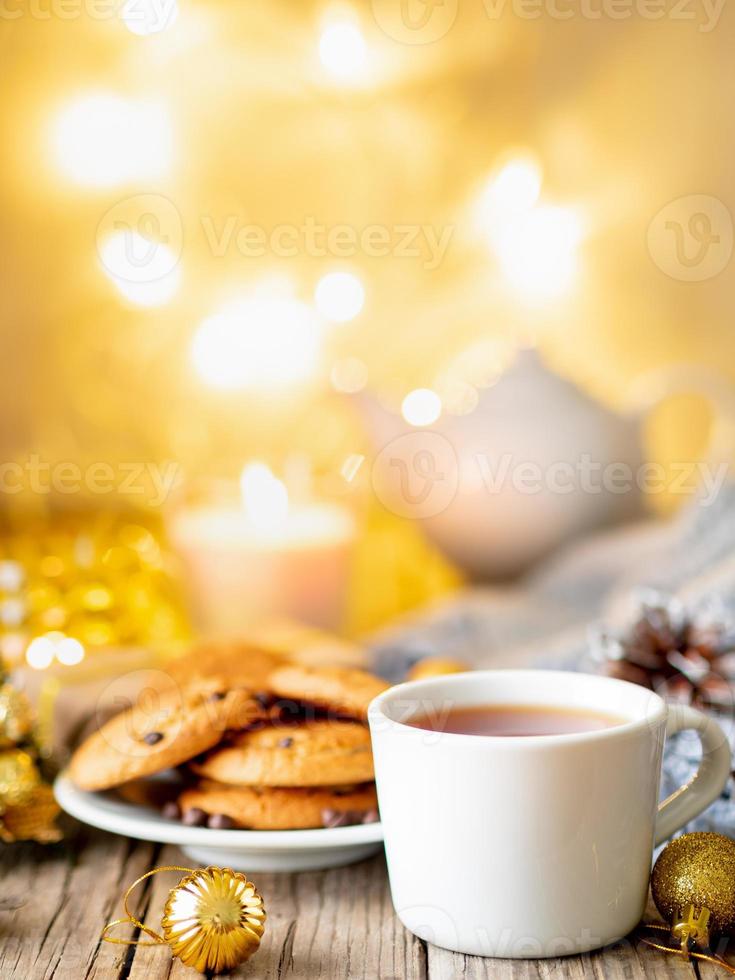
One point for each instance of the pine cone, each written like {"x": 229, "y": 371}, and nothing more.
{"x": 687, "y": 655}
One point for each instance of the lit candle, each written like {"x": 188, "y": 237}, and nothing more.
{"x": 266, "y": 558}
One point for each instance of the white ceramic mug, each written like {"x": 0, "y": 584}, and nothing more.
{"x": 530, "y": 846}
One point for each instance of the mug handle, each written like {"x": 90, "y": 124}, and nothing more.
{"x": 709, "y": 780}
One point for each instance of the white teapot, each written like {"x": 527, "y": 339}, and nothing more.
{"x": 536, "y": 463}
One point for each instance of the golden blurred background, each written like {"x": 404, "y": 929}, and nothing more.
{"x": 225, "y": 226}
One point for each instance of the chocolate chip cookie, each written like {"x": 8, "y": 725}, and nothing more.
{"x": 339, "y": 690}
{"x": 238, "y": 664}
{"x": 315, "y": 753}
{"x": 160, "y": 730}
{"x": 270, "y": 808}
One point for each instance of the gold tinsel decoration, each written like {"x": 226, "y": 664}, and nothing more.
{"x": 213, "y": 920}
{"x": 27, "y": 805}
{"x": 94, "y": 577}
{"x": 19, "y": 777}
{"x": 32, "y": 821}
{"x": 16, "y": 716}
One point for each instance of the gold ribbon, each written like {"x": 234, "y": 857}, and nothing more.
{"x": 684, "y": 953}
{"x": 130, "y": 919}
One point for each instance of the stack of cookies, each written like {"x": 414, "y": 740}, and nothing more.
{"x": 261, "y": 742}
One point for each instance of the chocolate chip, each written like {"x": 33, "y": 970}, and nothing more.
{"x": 153, "y": 738}
{"x": 285, "y": 743}
{"x": 263, "y": 698}
{"x": 333, "y": 818}
{"x": 346, "y": 818}
{"x": 194, "y": 817}
{"x": 220, "y": 821}
{"x": 217, "y": 696}
{"x": 253, "y": 726}
{"x": 171, "y": 810}
{"x": 342, "y": 818}
{"x": 285, "y": 710}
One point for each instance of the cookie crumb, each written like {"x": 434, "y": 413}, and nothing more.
{"x": 171, "y": 810}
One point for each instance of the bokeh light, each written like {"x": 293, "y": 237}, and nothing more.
{"x": 349, "y": 375}
{"x": 343, "y": 52}
{"x": 144, "y": 271}
{"x": 103, "y": 140}
{"x": 40, "y": 652}
{"x": 518, "y": 185}
{"x": 339, "y": 296}
{"x": 538, "y": 252}
{"x": 69, "y": 651}
{"x": 257, "y": 342}
{"x": 422, "y": 406}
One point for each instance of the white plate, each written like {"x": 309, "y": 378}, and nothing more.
{"x": 243, "y": 850}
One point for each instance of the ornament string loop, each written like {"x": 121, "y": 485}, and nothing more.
{"x": 212, "y": 921}
{"x": 130, "y": 919}
{"x": 686, "y": 954}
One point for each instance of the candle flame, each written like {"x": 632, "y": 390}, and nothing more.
{"x": 264, "y": 497}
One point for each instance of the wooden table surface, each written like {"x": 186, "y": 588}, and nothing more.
{"x": 55, "y": 900}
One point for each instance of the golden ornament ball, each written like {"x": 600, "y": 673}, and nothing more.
{"x": 213, "y": 919}
{"x": 19, "y": 777}
{"x": 697, "y": 869}
{"x": 435, "y": 667}
{"x": 16, "y": 716}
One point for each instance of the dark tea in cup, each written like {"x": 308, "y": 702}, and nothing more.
{"x": 513, "y": 720}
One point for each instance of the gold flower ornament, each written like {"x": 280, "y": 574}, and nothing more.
{"x": 213, "y": 920}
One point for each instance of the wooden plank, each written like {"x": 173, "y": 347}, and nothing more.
{"x": 709, "y": 971}
{"x": 627, "y": 960}
{"x": 66, "y": 893}
{"x": 321, "y": 925}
